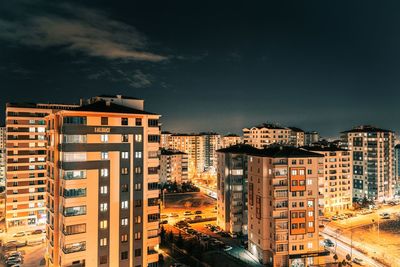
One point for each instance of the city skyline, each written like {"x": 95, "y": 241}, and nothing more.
{"x": 318, "y": 66}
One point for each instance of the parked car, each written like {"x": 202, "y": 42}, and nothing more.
{"x": 198, "y": 217}
{"x": 198, "y": 212}
{"x": 359, "y": 261}
{"x": 328, "y": 243}
{"x": 19, "y": 234}
{"x": 187, "y": 213}
{"x": 164, "y": 222}
{"x": 227, "y": 248}
{"x": 173, "y": 215}
{"x": 37, "y": 232}
{"x": 334, "y": 218}
{"x": 164, "y": 216}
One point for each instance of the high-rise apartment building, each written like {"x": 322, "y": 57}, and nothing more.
{"x": 26, "y": 174}
{"x": 102, "y": 191}
{"x": 373, "y": 162}
{"x": 310, "y": 138}
{"x": 212, "y": 142}
{"x": 266, "y": 134}
{"x": 230, "y": 140}
{"x": 166, "y": 140}
{"x": 397, "y": 168}
{"x": 296, "y": 137}
{"x": 337, "y": 190}
{"x": 173, "y": 166}
{"x": 283, "y": 220}
{"x": 232, "y": 188}
{"x": 3, "y": 139}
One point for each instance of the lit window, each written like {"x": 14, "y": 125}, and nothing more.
{"x": 104, "y": 155}
{"x": 104, "y": 172}
{"x": 103, "y": 242}
{"x": 125, "y": 155}
{"x": 124, "y": 221}
{"x": 104, "y": 138}
{"x": 138, "y": 138}
{"x": 138, "y": 154}
{"x": 103, "y": 207}
{"x": 103, "y": 190}
{"x": 103, "y": 224}
{"x": 124, "y": 204}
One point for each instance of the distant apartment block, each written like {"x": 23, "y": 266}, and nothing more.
{"x": 397, "y": 168}
{"x": 173, "y": 166}
{"x": 26, "y": 174}
{"x": 103, "y": 186}
{"x": 232, "y": 188}
{"x": 166, "y": 140}
{"x": 310, "y": 138}
{"x": 3, "y": 139}
{"x": 212, "y": 142}
{"x": 230, "y": 140}
{"x": 266, "y": 134}
{"x": 372, "y": 151}
{"x": 283, "y": 197}
{"x": 296, "y": 137}
{"x": 337, "y": 189}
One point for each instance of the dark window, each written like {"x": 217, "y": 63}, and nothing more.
{"x": 138, "y": 122}
{"x": 103, "y": 259}
{"x": 358, "y": 155}
{"x": 125, "y": 138}
{"x": 152, "y": 186}
{"x": 153, "y": 217}
{"x": 124, "y": 188}
{"x": 124, "y": 121}
{"x": 153, "y": 202}
{"x": 74, "y": 120}
{"x": 124, "y": 255}
{"x": 358, "y": 141}
{"x": 138, "y": 203}
{"x": 153, "y": 138}
{"x": 358, "y": 170}
{"x": 104, "y": 120}
{"x": 152, "y": 170}
{"x": 258, "y": 207}
{"x": 124, "y": 170}
{"x": 251, "y": 197}
{"x": 138, "y": 252}
{"x": 153, "y": 123}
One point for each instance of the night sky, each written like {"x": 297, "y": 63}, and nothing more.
{"x": 211, "y": 65}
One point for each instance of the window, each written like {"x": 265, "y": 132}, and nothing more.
{"x": 104, "y": 172}
{"x": 138, "y": 122}
{"x": 152, "y": 123}
{"x": 309, "y": 161}
{"x": 73, "y": 156}
{"x": 104, "y": 155}
{"x": 138, "y": 219}
{"x": 301, "y": 172}
{"x": 76, "y": 192}
{"x": 103, "y": 190}
{"x": 124, "y": 188}
{"x": 309, "y": 171}
{"x": 309, "y": 245}
{"x": 125, "y": 155}
{"x": 138, "y": 138}
{"x": 70, "y": 139}
{"x": 124, "y": 255}
{"x": 138, "y": 203}
{"x": 124, "y": 204}
{"x": 152, "y": 186}
{"x": 138, "y": 170}
{"x": 74, "y": 229}
{"x": 124, "y": 121}
{"x": 104, "y": 138}
{"x": 138, "y": 154}
{"x": 103, "y": 207}
{"x": 125, "y": 138}
{"x": 294, "y": 172}
{"x": 310, "y": 203}
{"x": 74, "y": 211}
{"x": 138, "y": 235}
{"x": 103, "y": 242}
{"x": 153, "y": 138}
{"x": 104, "y": 120}
{"x": 124, "y": 238}
{"x": 71, "y": 175}
{"x": 138, "y": 187}
{"x": 153, "y": 217}
{"x": 103, "y": 224}
{"x": 74, "y": 120}
{"x": 258, "y": 207}
{"x": 124, "y": 221}
{"x": 251, "y": 196}
{"x": 138, "y": 252}
{"x": 103, "y": 259}
{"x": 152, "y": 170}
{"x": 311, "y": 224}
{"x": 124, "y": 170}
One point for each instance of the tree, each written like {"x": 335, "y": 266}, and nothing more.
{"x": 161, "y": 259}
{"x": 162, "y": 234}
{"x": 348, "y": 257}
{"x": 179, "y": 241}
{"x": 171, "y": 237}
{"x": 335, "y": 257}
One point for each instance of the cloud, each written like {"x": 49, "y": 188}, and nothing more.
{"x": 136, "y": 78}
{"x": 78, "y": 29}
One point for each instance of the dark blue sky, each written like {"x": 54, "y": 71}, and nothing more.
{"x": 211, "y": 65}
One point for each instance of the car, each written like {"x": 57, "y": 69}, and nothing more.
{"x": 198, "y": 217}
{"x": 328, "y": 243}
{"x": 326, "y": 219}
{"x": 37, "y": 232}
{"x": 385, "y": 215}
{"x": 198, "y": 212}
{"x": 187, "y": 213}
{"x": 13, "y": 253}
{"x": 227, "y": 248}
{"x": 164, "y": 222}
{"x": 11, "y": 262}
{"x": 334, "y": 218}
{"x": 164, "y": 216}
{"x": 19, "y": 234}
{"x": 358, "y": 261}
{"x": 173, "y": 215}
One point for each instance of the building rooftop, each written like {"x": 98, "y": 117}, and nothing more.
{"x": 295, "y": 129}
{"x": 268, "y": 126}
{"x": 104, "y": 106}
{"x": 239, "y": 149}
{"x": 119, "y": 96}
{"x": 42, "y": 105}
{"x": 169, "y": 152}
{"x": 366, "y": 129}
{"x": 322, "y": 148}
{"x": 273, "y": 151}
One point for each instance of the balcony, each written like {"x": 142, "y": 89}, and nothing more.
{"x": 76, "y": 247}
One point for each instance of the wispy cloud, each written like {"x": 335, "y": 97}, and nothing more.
{"x": 136, "y": 78}
{"x": 78, "y": 29}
